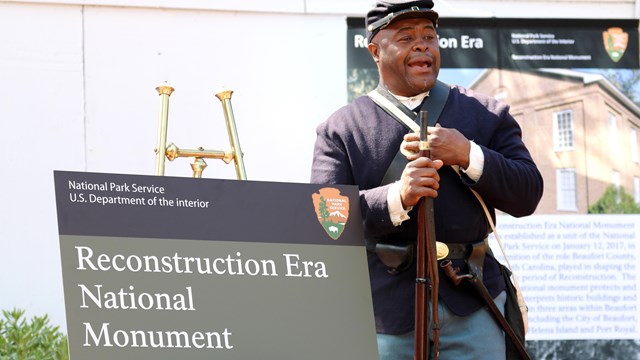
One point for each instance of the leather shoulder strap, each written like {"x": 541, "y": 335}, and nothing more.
{"x": 434, "y": 103}
{"x": 394, "y": 108}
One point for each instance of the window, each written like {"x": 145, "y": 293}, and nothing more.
{"x": 633, "y": 141}
{"x": 614, "y": 144}
{"x": 615, "y": 180}
{"x": 566, "y": 189}
{"x": 563, "y": 130}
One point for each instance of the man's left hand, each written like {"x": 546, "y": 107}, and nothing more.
{"x": 448, "y": 145}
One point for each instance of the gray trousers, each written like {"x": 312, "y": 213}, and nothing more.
{"x": 474, "y": 337}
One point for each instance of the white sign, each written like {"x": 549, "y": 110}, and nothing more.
{"x": 578, "y": 273}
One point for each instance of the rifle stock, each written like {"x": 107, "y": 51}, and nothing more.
{"x": 427, "y": 281}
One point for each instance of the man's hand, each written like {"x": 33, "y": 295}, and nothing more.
{"x": 448, "y": 145}
{"x": 420, "y": 178}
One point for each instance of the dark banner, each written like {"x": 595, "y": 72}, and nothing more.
{"x": 521, "y": 43}
{"x": 605, "y": 44}
{"x": 119, "y": 205}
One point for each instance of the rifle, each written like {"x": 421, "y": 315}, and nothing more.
{"x": 427, "y": 281}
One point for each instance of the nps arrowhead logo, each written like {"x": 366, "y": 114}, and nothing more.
{"x": 615, "y": 42}
{"x": 332, "y": 210}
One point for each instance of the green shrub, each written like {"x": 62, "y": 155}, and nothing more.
{"x": 34, "y": 340}
{"x": 615, "y": 200}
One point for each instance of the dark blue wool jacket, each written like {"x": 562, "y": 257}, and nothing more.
{"x": 355, "y": 147}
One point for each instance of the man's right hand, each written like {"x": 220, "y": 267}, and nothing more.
{"x": 420, "y": 178}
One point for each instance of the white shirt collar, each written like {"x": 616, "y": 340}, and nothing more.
{"x": 411, "y": 102}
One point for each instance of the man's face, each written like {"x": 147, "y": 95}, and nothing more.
{"x": 407, "y": 55}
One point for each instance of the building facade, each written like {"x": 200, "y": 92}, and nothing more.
{"x": 582, "y": 132}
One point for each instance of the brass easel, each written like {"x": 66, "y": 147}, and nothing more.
{"x": 198, "y": 165}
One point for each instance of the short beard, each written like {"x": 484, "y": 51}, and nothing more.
{"x": 421, "y": 89}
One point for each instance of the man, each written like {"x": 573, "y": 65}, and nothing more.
{"x": 476, "y": 144}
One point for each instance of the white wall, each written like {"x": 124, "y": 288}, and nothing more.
{"x": 270, "y": 61}
{"x": 41, "y": 129}
{"x": 77, "y": 93}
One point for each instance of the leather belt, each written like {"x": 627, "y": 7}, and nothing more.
{"x": 400, "y": 257}
{"x": 461, "y": 251}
